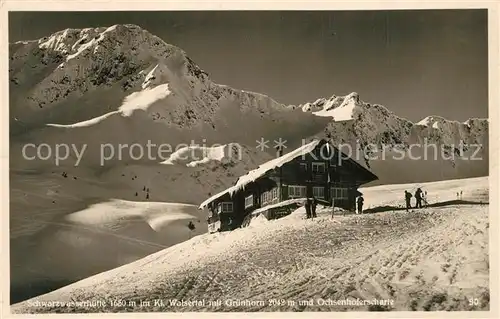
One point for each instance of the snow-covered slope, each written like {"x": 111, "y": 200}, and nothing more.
{"x": 122, "y": 86}
{"x": 207, "y": 154}
{"x": 51, "y": 251}
{"x": 124, "y": 209}
{"x": 430, "y": 259}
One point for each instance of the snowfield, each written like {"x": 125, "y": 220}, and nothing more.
{"x": 435, "y": 258}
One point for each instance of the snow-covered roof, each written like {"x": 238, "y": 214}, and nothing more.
{"x": 276, "y": 163}
{"x": 263, "y": 169}
{"x": 280, "y": 204}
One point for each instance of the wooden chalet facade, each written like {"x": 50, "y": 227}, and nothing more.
{"x": 316, "y": 169}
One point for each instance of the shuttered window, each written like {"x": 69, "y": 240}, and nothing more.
{"x": 339, "y": 192}
{"x": 249, "y": 201}
{"x": 296, "y": 191}
{"x": 319, "y": 192}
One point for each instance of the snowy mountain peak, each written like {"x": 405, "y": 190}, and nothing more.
{"x": 477, "y": 122}
{"x": 432, "y": 121}
{"x": 351, "y": 98}
{"x": 84, "y": 77}
{"x": 73, "y": 41}
{"x": 69, "y": 63}
{"x": 474, "y": 125}
{"x": 340, "y": 108}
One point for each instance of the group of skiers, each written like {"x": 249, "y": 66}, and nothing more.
{"x": 144, "y": 189}
{"x": 311, "y": 204}
{"x": 420, "y": 196}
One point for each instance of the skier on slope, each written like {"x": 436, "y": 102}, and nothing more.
{"x": 408, "y": 197}
{"x": 418, "y": 197}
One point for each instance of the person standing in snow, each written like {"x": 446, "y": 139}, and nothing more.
{"x": 314, "y": 203}
{"x": 424, "y": 199}
{"x": 360, "y": 202}
{"x": 408, "y": 197}
{"x": 308, "y": 208}
{"x": 418, "y": 197}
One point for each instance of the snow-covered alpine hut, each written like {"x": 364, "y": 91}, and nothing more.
{"x": 316, "y": 169}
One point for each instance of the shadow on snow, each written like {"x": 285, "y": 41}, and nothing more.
{"x": 386, "y": 208}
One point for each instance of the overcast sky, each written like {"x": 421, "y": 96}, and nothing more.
{"x": 417, "y": 63}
